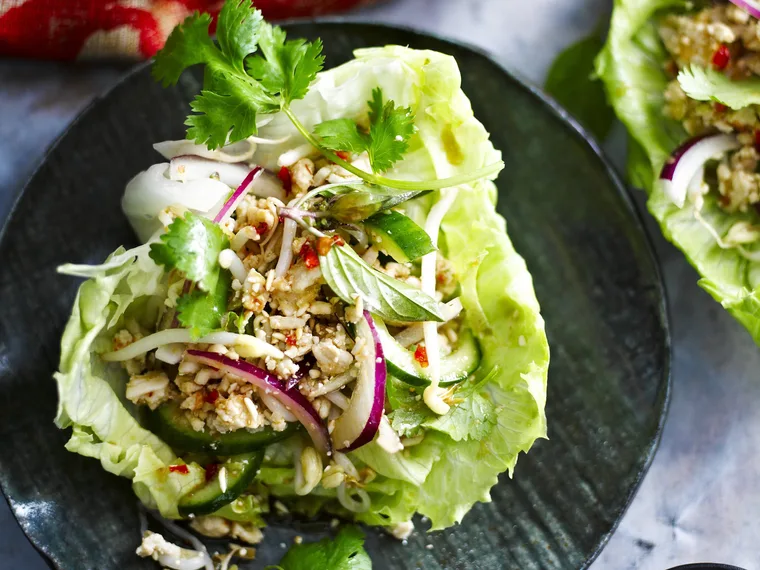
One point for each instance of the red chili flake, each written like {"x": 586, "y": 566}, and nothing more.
{"x": 720, "y": 108}
{"x": 337, "y": 240}
{"x": 290, "y": 340}
{"x": 309, "y": 256}
{"x": 179, "y": 469}
{"x": 721, "y": 57}
{"x": 262, "y": 228}
{"x": 211, "y": 396}
{"x": 287, "y": 181}
{"x": 420, "y": 355}
{"x": 211, "y": 471}
{"x": 343, "y": 154}
{"x": 281, "y": 218}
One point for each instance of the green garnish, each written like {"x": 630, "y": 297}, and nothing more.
{"x": 253, "y": 70}
{"x": 191, "y": 245}
{"x": 390, "y": 128}
{"x": 344, "y": 552}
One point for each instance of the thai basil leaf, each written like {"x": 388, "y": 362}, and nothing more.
{"x": 349, "y": 276}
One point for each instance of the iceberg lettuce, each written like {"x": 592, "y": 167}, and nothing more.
{"x": 456, "y": 464}
{"x": 632, "y": 68}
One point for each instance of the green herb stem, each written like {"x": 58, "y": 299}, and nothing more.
{"x": 460, "y": 179}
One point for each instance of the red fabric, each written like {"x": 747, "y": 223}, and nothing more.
{"x": 85, "y": 29}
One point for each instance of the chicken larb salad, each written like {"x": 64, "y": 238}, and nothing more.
{"x": 325, "y": 315}
{"x": 684, "y": 78}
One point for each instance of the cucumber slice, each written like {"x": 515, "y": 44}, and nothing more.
{"x": 398, "y": 236}
{"x": 454, "y": 368}
{"x": 169, "y": 423}
{"x": 239, "y": 473}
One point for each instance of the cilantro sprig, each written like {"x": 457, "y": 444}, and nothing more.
{"x": 386, "y": 141}
{"x": 191, "y": 246}
{"x": 253, "y": 69}
{"x": 344, "y": 552}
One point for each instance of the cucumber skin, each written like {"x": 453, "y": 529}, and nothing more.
{"x": 401, "y": 373}
{"x": 398, "y": 236}
{"x": 184, "y": 438}
{"x": 195, "y": 503}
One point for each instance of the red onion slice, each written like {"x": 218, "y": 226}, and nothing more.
{"x": 188, "y": 167}
{"x": 292, "y": 399}
{"x": 687, "y": 160}
{"x": 232, "y": 202}
{"x": 750, "y": 6}
{"x": 358, "y": 425}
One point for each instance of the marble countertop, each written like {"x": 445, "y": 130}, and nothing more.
{"x": 701, "y": 498}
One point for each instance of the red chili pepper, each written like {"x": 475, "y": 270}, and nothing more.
{"x": 721, "y": 57}
{"x": 287, "y": 181}
{"x": 309, "y": 256}
{"x": 343, "y": 155}
{"x": 290, "y": 340}
{"x": 211, "y": 397}
{"x": 262, "y": 228}
{"x": 420, "y": 355}
{"x": 211, "y": 471}
{"x": 720, "y": 108}
{"x": 179, "y": 469}
{"x": 337, "y": 240}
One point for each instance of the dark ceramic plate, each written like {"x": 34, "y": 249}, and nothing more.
{"x": 568, "y": 215}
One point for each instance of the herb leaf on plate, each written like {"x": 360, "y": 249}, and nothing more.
{"x": 202, "y": 312}
{"x": 709, "y": 85}
{"x": 349, "y": 276}
{"x": 344, "y": 552}
{"x": 387, "y": 141}
{"x": 287, "y": 68}
{"x": 192, "y": 245}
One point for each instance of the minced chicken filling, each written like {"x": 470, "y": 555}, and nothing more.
{"x": 296, "y": 313}
{"x": 725, "y": 38}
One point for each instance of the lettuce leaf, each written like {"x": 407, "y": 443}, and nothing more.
{"x": 631, "y": 66}
{"x": 443, "y": 476}
{"x": 91, "y": 393}
{"x": 456, "y": 464}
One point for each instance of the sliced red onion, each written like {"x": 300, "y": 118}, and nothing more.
{"x": 187, "y": 167}
{"x": 358, "y": 425}
{"x": 750, "y": 6}
{"x": 232, "y": 202}
{"x": 688, "y": 159}
{"x": 295, "y": 402}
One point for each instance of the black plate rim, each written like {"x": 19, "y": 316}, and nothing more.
{"x": 554, "y": 108}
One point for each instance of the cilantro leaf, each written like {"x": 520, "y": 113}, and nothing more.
{"x": 202, "y": 312}
{"x": 192, "y": 246}
{"x": 408, "y": 422}
{"x": 231, "y": 99}
{"x": 287, "y": 68}
{"x": 709, "y": 85}
{"x": 344, "y": 552}
{"x": 473, "y": 417}
{"x": 390, "y": 128}
{"x": 189, "y": 44}
{"x": 342, "y": 134}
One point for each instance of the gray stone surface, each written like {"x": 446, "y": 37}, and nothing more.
{"x": 701, "y": 498}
